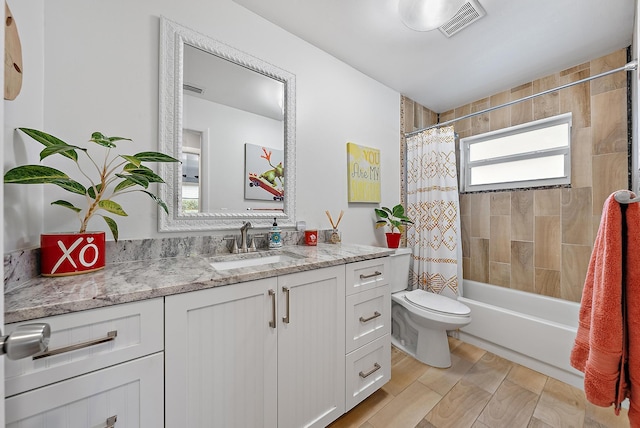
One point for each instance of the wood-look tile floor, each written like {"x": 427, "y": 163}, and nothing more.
{"x": 479, "y": 390}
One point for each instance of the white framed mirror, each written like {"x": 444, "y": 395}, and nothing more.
{"x": 230, "y": 118}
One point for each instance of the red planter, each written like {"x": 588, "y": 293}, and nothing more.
{"x": 64, "y": 254}
{"x": 393, "y": 239}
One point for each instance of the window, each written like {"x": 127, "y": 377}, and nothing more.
{"x": 533, "y": 154}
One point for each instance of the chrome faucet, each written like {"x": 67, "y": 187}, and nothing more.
{"x": 243, "y": 236}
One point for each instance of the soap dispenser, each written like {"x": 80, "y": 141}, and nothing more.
{"x": 274, "y": 236}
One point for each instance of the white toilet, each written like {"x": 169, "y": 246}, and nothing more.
{"x": 420, "y": 319}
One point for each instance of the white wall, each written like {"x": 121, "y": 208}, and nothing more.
{"x": 23, "y": 206}
{"x": 93, "y": 66}
{"x": 229, "y": 130}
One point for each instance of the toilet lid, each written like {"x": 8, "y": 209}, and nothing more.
{"x": 437, "y": 303}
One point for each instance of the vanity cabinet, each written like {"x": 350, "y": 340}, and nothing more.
{"x": 368, "y": 329}
{"x": 268, "y": 352}
{"x": 104, "y": 368}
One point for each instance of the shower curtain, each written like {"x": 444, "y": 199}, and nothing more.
{"x": 433, "y": 205}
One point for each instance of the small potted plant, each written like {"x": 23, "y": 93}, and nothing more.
{"x": 81, "y": 252}
{"x": 395, "y": 219}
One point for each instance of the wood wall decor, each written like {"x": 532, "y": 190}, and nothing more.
{"x": 12, "y": 57}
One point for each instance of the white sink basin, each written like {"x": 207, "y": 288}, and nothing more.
{"x": 252, "y": 260}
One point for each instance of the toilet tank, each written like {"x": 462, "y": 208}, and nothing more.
{"x": 400, "y": 261}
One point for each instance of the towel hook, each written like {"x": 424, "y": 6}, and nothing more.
{"x": 624, "y": 197}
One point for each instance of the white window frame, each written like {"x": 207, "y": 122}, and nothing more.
{"x": 466, "y": 165}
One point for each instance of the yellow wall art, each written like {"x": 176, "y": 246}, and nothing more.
{"x": 363, "y": 175}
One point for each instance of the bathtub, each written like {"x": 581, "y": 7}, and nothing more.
{"x": 530, "y": 329}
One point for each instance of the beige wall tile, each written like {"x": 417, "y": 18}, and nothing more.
{"x": 576, "y": 216}
{"x": 547, "y": 282}
{"x": 480, "y": 213}
{"x": 463, "y": 126}
{"x": 500, "y": 203}
{"x": 500, "y": 239}
{"x": 480, "y": 124}
{"x": 521, "y": 112}
{"x": 547, "y": 202}
{"x": 546, "y": 105}
{"x": 465, "y": 204}
{"x": 547, "y": 239}
{"x": 612, "y": 81}
{"x": 609, "y": 122}
{"x": 466, "y": 267}
{"x": 500, "y": 118}
{"x": 522, "y": 215}
{"x": 500, "y": 274}
{"x": 479, "y": 269}
{"x": 522, "y": 270}
{"x": 611, "y": 173}
{"x": 581, "y": 152}
{"x": 575, "y": 262}
{"x": 577, "y": 99}
{"x": 408, "y": 108}
{"x": 465, "y": 237}
{"x": 447, "y": 116}
{"x": 575, "y": 69}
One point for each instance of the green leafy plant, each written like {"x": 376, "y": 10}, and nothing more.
{"x": 116, "y": 175}
{"x": 393, "y": 218}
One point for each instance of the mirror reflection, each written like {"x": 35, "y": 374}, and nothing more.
{"x": 231, "y": 122}
{"x": 239, "y": 115}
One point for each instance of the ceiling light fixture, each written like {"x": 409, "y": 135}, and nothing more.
{"x": 427, "y": 15}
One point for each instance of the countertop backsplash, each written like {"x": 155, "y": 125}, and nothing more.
{"x": 22, "y": 265}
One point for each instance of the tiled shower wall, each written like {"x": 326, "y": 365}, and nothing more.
{"x": 541, "y": 240}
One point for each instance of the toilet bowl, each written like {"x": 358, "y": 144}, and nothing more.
{"x": 420, "y": 319}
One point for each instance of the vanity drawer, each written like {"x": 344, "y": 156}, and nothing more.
{"x": 367, "y": 274}
{"x": 368, "y": 316}
{"x": 104, "y": 336}
{"x": 368, "y": 368}
{"x": 126, "y": 395}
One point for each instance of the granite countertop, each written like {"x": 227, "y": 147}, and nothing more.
{"x": 139, "y": 280}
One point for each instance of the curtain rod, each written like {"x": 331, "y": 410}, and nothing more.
{"x": 633, "y": 65}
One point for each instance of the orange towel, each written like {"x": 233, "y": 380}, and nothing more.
{"x": 600, "y": 349}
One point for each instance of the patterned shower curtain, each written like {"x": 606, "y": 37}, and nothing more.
{"x": 433, "y": 205}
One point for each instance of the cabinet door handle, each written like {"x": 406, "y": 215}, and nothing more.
{"x": 108, "y": 338}
{"x": 286, "y": 318}
{"x": 375, "y": 315}
{"x": 272, "y": 323}
{"x": 375, "y": 368}
{"x": 376, "y": 273}
{"x": 111, "y": 422}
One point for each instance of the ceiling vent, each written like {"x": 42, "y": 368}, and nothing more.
{"x": 192, "y": 88}
{"x": 469, "y": 13}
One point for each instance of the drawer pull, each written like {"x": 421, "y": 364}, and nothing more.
{"x": 376, "y": 273}
{"x": 375, "y": 315}
{"x": 375, "y": 368}
{"x": 110, "y": 336}
{"x": 111, "y": 422}
{"x": 272, "y": 323}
